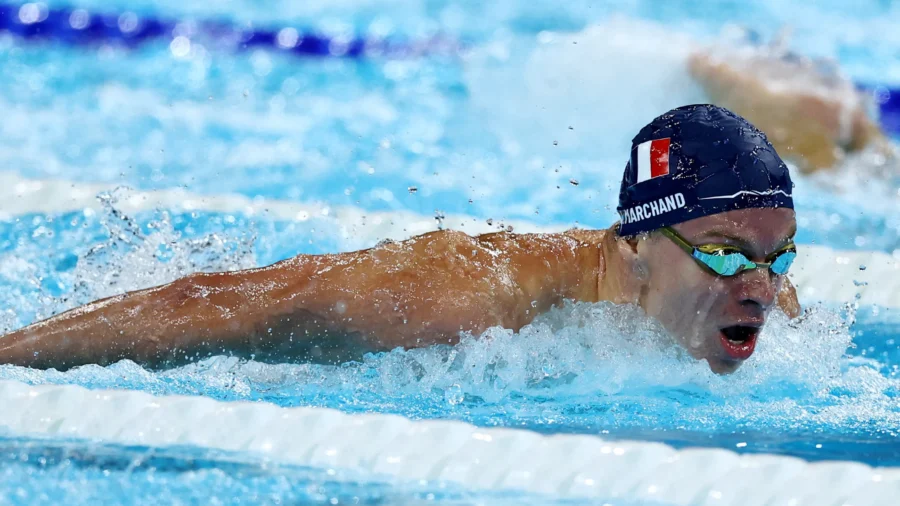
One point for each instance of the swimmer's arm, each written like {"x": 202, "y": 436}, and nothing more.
{"x": 198, "y": 314}
{"x": 418, "y": 292}
{"x": 812, "y": 129}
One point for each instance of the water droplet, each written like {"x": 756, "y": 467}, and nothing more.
{"x": 547, "y": 368}
{"x": 454, "y": 395}
{"x": 439, "y": 217}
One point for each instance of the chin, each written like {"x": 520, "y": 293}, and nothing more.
{"x": 720, "y": 366}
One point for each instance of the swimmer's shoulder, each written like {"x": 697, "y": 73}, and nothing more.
{"x": 587, "y": 237}
{"x": 574, "y": 238}
{"x": 499, "y": 244}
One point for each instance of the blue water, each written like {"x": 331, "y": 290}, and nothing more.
{"x": 73, "y": 473}
{"x": 498, "y": 133}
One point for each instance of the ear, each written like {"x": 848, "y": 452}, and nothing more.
{"x": 632, "y": 241}
{"x": 631, "y": 273}
{"x": 630, "y": 250}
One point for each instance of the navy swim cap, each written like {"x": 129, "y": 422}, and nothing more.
{"x": 695, "y": 161}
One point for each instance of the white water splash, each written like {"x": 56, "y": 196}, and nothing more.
{"x": 130, "y": 258}
{"x": 601, "y": 358}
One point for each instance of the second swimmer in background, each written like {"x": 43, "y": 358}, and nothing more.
{"x": 812, "y": 113}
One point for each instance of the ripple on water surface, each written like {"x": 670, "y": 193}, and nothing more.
{"x": 585, "y": 368}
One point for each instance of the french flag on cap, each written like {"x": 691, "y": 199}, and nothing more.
{"x": 652, "y": 159}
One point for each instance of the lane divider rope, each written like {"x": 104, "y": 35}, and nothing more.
{"x": 80, "y": 27}
{"x": 440, "y": 450}
{"x": 72, "y": 26}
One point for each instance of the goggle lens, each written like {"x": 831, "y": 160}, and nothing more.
{"x": 730, "y": 263}
{"x": 782, "y": 263}
{"x": 727, "y": 260}
{"x": 726, "y": 263}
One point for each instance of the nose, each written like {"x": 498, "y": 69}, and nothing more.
{"x": 758, "y": 288}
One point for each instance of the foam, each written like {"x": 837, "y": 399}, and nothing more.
{"x": 618, "y": 57}
{"x": 585, "y": 367}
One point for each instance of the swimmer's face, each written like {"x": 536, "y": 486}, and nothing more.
{"x": 703, "y": 311}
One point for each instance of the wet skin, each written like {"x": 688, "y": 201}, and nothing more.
{"x": 420, "y": 292}
{"x": 694, "y": 305}
{"x": 812, "y": 118}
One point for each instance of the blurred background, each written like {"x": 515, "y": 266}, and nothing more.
{"x": 503, "y": 110}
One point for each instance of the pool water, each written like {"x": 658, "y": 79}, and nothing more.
{"x": 38, "y": 472}
{"x": 525, "y": 126}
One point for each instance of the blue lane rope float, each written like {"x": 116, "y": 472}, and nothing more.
{"x": 78, "y": 26}
{"x": 888, "y": 101}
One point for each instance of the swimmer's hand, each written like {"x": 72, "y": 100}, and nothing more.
{"x": 412, "y": 293}
{"x": 787, "y": 299}
{"x": 813, "y": 116}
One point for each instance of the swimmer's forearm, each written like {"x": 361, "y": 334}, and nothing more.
{"x": 787, "y": 299}
{"x": 299, "y": 307}
{"x": 195, "y": 316}
{"x": 812, "y": 129}
{"x": 82, "y": 335}
{"x": 144, "y": 326}
{"x": 268, "y": 310}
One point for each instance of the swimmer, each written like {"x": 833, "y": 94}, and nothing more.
{"x": 703, "y": 245}
{"x": 812, "y": 114}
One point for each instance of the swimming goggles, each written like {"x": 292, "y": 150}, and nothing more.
{"x": 725, "y": 260}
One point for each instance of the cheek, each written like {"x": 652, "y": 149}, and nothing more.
{"x": 682, "y": 296}
{"x": 673, "y": 278}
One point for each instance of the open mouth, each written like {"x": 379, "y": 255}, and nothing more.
{"x": 739, "y": 341}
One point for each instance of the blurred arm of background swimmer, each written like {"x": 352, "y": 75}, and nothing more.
{"x": 414, "y": 293}
{"x": 811, "y": 117}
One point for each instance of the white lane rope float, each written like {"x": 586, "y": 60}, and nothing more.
{"x": 576, "y": 466}
{"x": 392, "y": 446}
